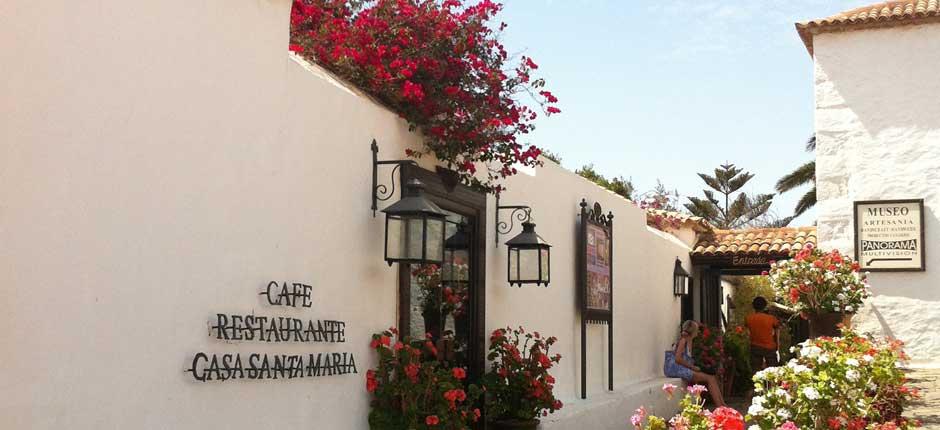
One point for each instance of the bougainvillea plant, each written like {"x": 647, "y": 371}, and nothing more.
{"x": 816, "y": 282}
{"x": 848, "y": 382}
{"x": 692, "y": 414}
{"x": 518, "y": 385}
{"x": 658, "y": 218}
{"x": 708, "y": 350}
{"x": 440, "y": 65}
{"x": 411, "y": 389}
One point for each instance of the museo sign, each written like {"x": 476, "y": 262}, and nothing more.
{"x": 889, "y": 235}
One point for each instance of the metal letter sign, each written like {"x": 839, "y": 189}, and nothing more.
{"x": 595, "y": 279}
{"x": 889, "y": 235}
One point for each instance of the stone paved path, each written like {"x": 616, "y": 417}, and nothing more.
{"x": 928, "y": 408}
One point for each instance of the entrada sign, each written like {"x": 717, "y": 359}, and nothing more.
{"x": 889, "y": 235}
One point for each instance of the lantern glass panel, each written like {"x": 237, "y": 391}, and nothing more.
{"x": 404, "y": 238}
{"x": 513, "y": 265}
{"x": 528, "y": 264}
{"x": 545, "y": 265}
{"x": 435, "y": 240}
{"x": 394, "y": 237}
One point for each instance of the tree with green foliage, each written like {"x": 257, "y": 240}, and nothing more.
{"x": 740, "y": 211}
{"x": 803, "y": 175}
{"x": 619, "y": 185}
{"x": 552, "y": 156}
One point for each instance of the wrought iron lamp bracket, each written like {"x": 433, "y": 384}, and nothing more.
{"x": 380, "y": 191}
{"x": 519, "y": 213}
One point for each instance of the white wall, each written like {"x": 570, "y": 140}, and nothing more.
{"x": 878, "y": 137}
{"x": 162, "y": 162}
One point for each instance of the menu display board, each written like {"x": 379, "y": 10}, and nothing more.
{"x": 598, "y": 268}
{"x": 889, "y": 235}
{"x": 595, "y": 283}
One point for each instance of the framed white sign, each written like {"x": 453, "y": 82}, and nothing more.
{"x": 889, "y": 235}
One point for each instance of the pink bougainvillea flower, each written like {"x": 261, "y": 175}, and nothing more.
{"x": 789, "y": 425}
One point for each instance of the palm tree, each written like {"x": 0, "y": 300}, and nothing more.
{"x": 803, "y": 175}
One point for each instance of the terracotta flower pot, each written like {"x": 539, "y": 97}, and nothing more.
{"x": 827, "y": 324}
{"x": 449, "y": 178}
{"x": 513, "y": 424}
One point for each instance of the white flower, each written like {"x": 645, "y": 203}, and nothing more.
{"x": 851, "y": 362}
{"x": 810, "y": 351}
{"x": 867, "y": 358}
{"x": 755, "y": 410}
{"x": 824, "y": 358}
{"x": 849, "y": 309}
{"x": 758, "y": 400}
{"x": 799, "y": 368}
{"x": 783, "y": 414}
{"x": 841, "y": 296}
{"x": 811, "y": 393}
{"x": 754, "y": 427}
{"x": 782, "y": 393}
{"x": 851, "y": 375}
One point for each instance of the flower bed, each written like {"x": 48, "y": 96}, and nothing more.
{"x": 849, "y": 383}
{"x": 440, "y": 65}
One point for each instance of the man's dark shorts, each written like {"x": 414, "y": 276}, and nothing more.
{"x": 762, "y": 355}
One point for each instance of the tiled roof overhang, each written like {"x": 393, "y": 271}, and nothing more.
{"x": 883, "y": 14}
{"x": 752, "y": 247}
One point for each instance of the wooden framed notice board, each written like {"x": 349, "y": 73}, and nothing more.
{"x": 595, "y": 282}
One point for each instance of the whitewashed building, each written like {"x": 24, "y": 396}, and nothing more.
{"x": 163, "y": 163}
{"x": 878, "y": 138}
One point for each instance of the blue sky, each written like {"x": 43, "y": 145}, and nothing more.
{"x": 665, "y": 89}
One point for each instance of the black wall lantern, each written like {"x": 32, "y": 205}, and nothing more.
{"x": 529, "y": 255}
{"x": 414, "y": 226}
{"x": 456, "y": 256}
{"x": 680, "y": 280}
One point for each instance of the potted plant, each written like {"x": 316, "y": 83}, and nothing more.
{"x": 824, "y": 287}
{"x": 412, "y": 390}
{"x": 518, "y": 385}
{"x": 708, "y": 350}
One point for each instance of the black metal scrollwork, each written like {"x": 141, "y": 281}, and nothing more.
{"x": 380, "y": 192}
{"x": 519, "y": 213}
{"x": 596, "y": 214}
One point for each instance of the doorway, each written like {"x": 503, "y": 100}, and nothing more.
{"x": 447, "y": 302}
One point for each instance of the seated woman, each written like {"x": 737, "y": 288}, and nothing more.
{"x": 679, "y": 364}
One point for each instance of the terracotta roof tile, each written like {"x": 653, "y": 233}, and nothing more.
{"x": 884, "y": 14}
{"x": 698, "y": 224}
{"x": 754, "y": 241}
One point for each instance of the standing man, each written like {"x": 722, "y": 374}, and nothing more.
{"x": 765, "y": 335}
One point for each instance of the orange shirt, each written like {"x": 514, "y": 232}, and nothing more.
{"x": 762, "y": 327}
